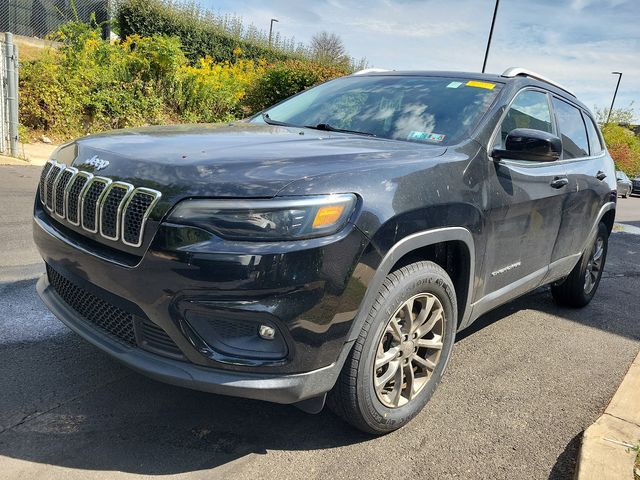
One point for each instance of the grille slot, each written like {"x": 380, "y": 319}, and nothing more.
{"x": 111, "y": 209}
{"x": 51, "y": 179}
{"x": 93, "y": 309}
{"x": 90, "y": 200}
{"x": 136, "y": 211}
{"x": 43, "y": 180}
{"x": 73, "y": 196}
{"x": 115, "y": 210}
{"x": 59, "y": 188}
{"x": 156, "y": 339}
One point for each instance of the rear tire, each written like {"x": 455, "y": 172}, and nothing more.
{"x": 400, "y": 355}
{"x": 580, "y": 286}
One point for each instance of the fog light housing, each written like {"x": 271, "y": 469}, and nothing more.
{"x": 236, "y": 335}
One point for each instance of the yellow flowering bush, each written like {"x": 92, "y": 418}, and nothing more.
{"x": 213, "y": 91}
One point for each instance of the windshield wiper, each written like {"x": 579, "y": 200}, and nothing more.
{"x": 329, "y": 128}
{"x": 269, "y": 121}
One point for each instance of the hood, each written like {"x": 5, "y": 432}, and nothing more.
{"x": 240, "y": 160}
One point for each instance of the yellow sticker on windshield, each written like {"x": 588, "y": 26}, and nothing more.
{"x": 477, "y": 84}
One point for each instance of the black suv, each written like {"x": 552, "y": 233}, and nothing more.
{"x": 332, "y": 244}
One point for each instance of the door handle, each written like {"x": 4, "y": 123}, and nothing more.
{"x": 601, "y": 175}
{"x": 559, "y": 182}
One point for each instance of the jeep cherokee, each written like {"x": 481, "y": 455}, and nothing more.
{"x": 331, "y": 246}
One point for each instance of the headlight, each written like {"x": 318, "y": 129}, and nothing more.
{"x": 278, "y": 219}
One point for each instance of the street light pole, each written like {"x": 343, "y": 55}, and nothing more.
{"x": 271, "y": 29}
{"x": 614, "y": 93}
{"x": 493, "y": 22}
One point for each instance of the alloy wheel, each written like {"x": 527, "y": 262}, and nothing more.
{"x": 409, "y": 350}
{"x": 594, "y": 267}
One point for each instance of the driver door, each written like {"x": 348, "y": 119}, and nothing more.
{"x": 524, "y": 204}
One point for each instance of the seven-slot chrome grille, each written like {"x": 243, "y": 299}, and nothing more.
{"x": 116, "y": 210}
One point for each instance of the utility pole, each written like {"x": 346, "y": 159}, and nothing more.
{"x": 614, "y": 93}
{"x": 271, "y": 29}
{"x": 493, "y": 22}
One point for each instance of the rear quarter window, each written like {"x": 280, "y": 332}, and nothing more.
{"x": 575, "y": 143}
{"x": 595, "y": 143}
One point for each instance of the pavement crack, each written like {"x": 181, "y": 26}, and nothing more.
{"x": 33, "y": 415}
{"x": 621, "y": 275}
{"x": 621, "y": 419}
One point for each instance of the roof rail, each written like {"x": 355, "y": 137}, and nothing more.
{"x": 370, "y": 70}
{"x": 523, "y": 72}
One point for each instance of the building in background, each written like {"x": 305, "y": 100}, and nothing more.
{"x": 38, "y": 18}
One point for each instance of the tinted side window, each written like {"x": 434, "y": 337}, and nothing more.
{"x": 594, "y": 139}
{"x": 572, "y": 129}
{"x": 529, "y": 109}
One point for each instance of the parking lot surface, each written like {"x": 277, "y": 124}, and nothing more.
{"x": 523, "y": 383}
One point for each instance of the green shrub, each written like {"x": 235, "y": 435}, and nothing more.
{"x": 89, "y": 84}
{"x": 201, "y": 33}
{"x": 47, "y": 98}
{"x": 283, "y": 79}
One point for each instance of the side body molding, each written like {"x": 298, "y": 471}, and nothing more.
{"x": 399, "y": 250}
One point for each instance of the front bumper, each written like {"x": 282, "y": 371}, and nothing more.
{"x": 308, "y": 291}
{"x": 273, "y": 388}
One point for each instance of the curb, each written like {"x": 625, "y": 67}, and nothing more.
{"x": 6, "y": 160}
{"x": 35, "y": 154}
{"x": 604, "y": 454}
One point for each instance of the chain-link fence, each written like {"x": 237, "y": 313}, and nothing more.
{"x": 38, "y": 18}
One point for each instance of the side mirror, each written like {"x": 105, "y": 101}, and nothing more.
{"x": 531, "y": 145}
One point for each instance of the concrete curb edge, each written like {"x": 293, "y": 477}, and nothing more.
{"x": 604, "y": 453}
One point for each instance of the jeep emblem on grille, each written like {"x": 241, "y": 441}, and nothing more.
{"x": 95, "y": 162}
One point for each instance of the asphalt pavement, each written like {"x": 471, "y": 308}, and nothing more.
{"x": 523, "y": 383}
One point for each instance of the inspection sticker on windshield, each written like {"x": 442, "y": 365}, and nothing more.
{"x": 429, "y": 137}
{"x": 477, "y": 84}
{"x": 454, "y": 84}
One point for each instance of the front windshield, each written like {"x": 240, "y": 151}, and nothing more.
{"x": 433, "y": 110}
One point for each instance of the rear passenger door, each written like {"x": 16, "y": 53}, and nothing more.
{"x": 583, "y": 157}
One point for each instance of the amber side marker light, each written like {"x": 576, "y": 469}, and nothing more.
{"x": 327, "y": 215}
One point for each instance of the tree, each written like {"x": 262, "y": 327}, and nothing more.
{"x": 624, "y": 148}
{"x": 328, "y": 48}
{"x": 619, "y": 116}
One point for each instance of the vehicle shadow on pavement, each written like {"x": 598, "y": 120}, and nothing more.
{"x": 565, "y": 465}
{"x": 122, "y": 421}
{"x": 66, "y": 404}
{"x": 136, "y": 425}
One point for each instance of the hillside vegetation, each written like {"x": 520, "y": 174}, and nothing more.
{"x": 88, "y": 84}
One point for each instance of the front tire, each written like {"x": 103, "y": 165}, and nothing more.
{"x": 580, "y": 286}
{"x": 401, "y": 352}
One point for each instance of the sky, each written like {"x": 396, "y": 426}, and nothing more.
{"x": 577, "y": 43}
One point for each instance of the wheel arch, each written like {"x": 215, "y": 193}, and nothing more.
{"x": 608, "y": 216}
{"x": 439, "y": 245}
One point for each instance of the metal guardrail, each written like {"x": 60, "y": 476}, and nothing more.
{"x": 8, "y": 95}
